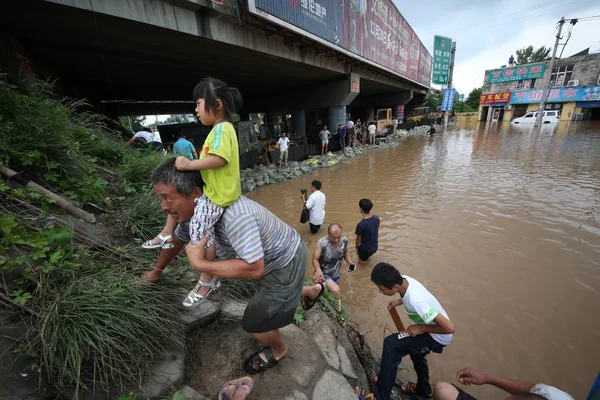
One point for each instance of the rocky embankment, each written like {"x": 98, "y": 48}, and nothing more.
{"x": 260, "y": 175}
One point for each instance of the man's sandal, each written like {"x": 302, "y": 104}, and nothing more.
{"x": 410, "y": 388}
{"x": 255, "y": 364}
{"x": 193, "y": 298}
{"x": 162, "y": 245}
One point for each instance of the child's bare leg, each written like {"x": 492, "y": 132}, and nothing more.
{"x": 167, "y": 230}
{"x": 210, "y": 254}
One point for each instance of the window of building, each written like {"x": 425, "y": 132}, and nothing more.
{"x": 561, "y": 75}
{"x": 526, "y": 84}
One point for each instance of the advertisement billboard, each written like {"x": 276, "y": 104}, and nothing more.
{"x": 374, "y": 30}
{"x": 588, "y": 93}
{"x": 517, "y": 73}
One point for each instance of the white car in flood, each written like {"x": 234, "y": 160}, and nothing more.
{"x": 549, "y": 117}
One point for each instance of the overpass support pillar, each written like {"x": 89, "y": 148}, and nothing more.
{"x": 337, "y": 115}
{"x": 273, "y": 117}
{"x": 299, "y": 122}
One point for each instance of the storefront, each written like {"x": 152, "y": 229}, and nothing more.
{"x": 571, "y": 101}
{"x": 587, "y": 110}
{"x": 492, "y": 107}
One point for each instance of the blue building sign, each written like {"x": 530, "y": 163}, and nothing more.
{"x": 448, "y": 100}
{"x": 558, "y": 95}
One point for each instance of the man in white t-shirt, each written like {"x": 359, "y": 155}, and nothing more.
{"x": 316, "y": 206}
{"x": 372, "y": 131}
{"x": 324, "y": 136}
{"x": 431, "y": 331}
{"x": 284, "y": 144}
{"x": 518, "y": 389}
{"x": 151, "y": 139}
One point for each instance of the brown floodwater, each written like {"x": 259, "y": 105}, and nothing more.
{"x": 501, "y": 225}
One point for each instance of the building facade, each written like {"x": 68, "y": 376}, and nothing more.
{"x": 512, "y": 92}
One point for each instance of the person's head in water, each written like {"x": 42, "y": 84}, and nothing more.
{"x": 215, "y": 101}
{"x": 365, "y": 206}
{"x": 334, "y": 234}
{"x": 315, "y": 185}
{"x": 177, "y": 190}
{"x": 388, "y": 279}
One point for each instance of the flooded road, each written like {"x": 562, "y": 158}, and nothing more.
{"x": 501, "y": 225}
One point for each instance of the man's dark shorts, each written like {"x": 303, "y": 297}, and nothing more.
{"x": 314, "y": 228}
{"x": 462, "y": 395}
{"x": 364, "y": 255}
{"x": 277, "y": 295}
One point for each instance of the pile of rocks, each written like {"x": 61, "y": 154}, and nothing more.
{"x": 260, "y": 175}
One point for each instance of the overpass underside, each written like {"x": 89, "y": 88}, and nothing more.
{"x": 141, "y": 62}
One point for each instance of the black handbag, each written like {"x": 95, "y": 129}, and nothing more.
{"x": 304, "y": 216}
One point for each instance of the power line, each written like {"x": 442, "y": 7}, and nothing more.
{"x": 524, "y": 14}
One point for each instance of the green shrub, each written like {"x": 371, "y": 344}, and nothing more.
{"x": 106, "y": 327}
{"x": 139, "y": 213}
{"x": 97, "y": 322}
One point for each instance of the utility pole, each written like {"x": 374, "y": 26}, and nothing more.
{"x": 546, "y": 91}
{"x": 451, "y": 71}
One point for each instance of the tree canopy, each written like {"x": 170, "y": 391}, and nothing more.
{"x": 434, "y": 99}
{"x": 528, "y": 55}
{"x": 473, "y": 98}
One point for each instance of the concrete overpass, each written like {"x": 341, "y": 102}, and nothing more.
{"x": 145, "y": 56}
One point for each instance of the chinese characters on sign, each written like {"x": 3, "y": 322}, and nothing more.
{"x": 371, "y": 29}
{"x": 492, "y": 98}
{"x": 517, "y": 73}
{"x": 448, "y": 100}
{"x": 589, "y": 93}
{"x": 442, "y": 46}
{"x": 312, "y": 7}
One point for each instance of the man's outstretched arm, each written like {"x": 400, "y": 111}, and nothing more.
{"x": 164, "y": 258}
{"x": 470, "y": 376}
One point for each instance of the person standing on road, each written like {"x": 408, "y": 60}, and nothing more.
{"x": 342, "y": 136}
{"x": 316, "y": 206}
{"x": 372, "y": 132}
{"x": 324, "y": 135}
{"x": 284, "y": 143}
{"x": 350, "y": 133}
{"x": 184, "y": 147}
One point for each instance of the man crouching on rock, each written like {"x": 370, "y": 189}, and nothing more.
{"x": 254, "y": 245}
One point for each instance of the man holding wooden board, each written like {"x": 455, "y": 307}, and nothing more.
{"x": 431, "y": 331}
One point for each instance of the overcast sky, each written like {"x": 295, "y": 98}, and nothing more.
{"x": 488, "y": 32}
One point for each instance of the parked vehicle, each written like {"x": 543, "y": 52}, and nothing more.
{"x": 530, "y": 118}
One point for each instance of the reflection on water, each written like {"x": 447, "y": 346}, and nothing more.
{"x": 502, "y": 224}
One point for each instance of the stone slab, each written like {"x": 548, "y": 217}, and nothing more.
{"x": 233, "y": 309}
{"x": 327, "y": 343}
{"x": 190, "y": 394}
{"x": 333, "y": 386}
{"x": 166, "y": 376}
{"x": 194, "y": 318}
{"x": 345, "y": 364}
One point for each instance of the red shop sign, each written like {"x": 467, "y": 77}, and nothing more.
{"x": 503, "y": 97}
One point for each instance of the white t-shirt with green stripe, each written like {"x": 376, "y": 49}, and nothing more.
{"x": 422, "y": 307}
